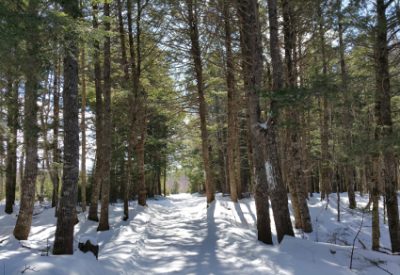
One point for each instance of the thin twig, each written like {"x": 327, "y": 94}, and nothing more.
{"x": 355, "y": 238}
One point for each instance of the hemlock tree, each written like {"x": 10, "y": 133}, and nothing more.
{"x": 384, "y": 123}
{"x": 296, "y": 174}
{"x": 279, "y": 200}
{"x": 54, "y": 173}
{"x": 192, "y": 20}
{"x": 31, "y": 129}
{"x": 66, "y": 218}
{"x": 107, "y": 127}
{"x": 233, "y": 147}
{"x": 252, "y": 74}
{"x": 93, "y": 215}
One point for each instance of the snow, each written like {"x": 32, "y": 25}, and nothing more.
{"x": 269, "y": 170}
{"x": 180, "y": 235}
{"x": 263, "y": 125}
{"x": 91, "y": 239}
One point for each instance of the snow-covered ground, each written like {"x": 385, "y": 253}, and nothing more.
{"x": 179, "y": 235}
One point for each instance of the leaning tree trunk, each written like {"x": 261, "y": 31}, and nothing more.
{"x": 107, "y": 128}
{"x": 384, "y": 123}
{"x": 94, "y": 200}
{"x": 11, "y": 159}
{"x": 31, "y": 131}
{"x": 196, "y": 55}
{"x": 66, "y": 218}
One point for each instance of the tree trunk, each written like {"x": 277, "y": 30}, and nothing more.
{"x": 93, "y": 215}
{"x": 384, "y": 130}
{"x": 376, "y": 179}
{"x": 165, "y": 180}
{"x": 11, "y": 159}
{"x": 252, "y": 72}
{"x": 125, "y": 64}
{"x": 141, "y": 98}
{"x": 196, "y": 55}
{"x": 83, "y": 130}
{"x": 347, "y": 116}
{"x": 66, "y": 219}
{"x": 56, "y": 152}
{"x": 107, "y": 127}
{"x": 233, "y": 149}
{"x": 279, "y": 198}
{"x": 296, "y": 174}
{"x": 31, "y": 131}
{"x": 326, "y": 171}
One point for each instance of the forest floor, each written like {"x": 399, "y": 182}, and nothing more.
{"x": 179, "y": 235}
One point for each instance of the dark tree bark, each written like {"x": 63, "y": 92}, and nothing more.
{"x": 279, "y": 198}
{"x": 93, "y": 215}
{"x": 121, "y": 29}
{"x": 83, "y": 130}
{"x": 107, "y": 127}
{"x": 11, "y": 159}
{"x": 31, "y": 131}
{"x": 125, "y": 66}
{"x": 56, "y": 124}
{"x": 198, "y": 67}
{"x": 66, "y": 218}
{"x": 347, "y": 115}
{"x": 233, "y": 149}
{"x": 141, "y": 121}
{"x": 252, "y": 73}
{"x": 375, "y": 194}
{"x": 137, "y": 100}
{"x": 132, "y": 109}
{"x": 326, "y": 170}
{"x": 296, "y": 175}
{"x": 384, "y": 123}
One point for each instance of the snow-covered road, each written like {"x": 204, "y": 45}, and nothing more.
{"x": 179, "y": 235}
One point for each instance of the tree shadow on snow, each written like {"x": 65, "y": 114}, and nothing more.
{"x": 206, "y": 260}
